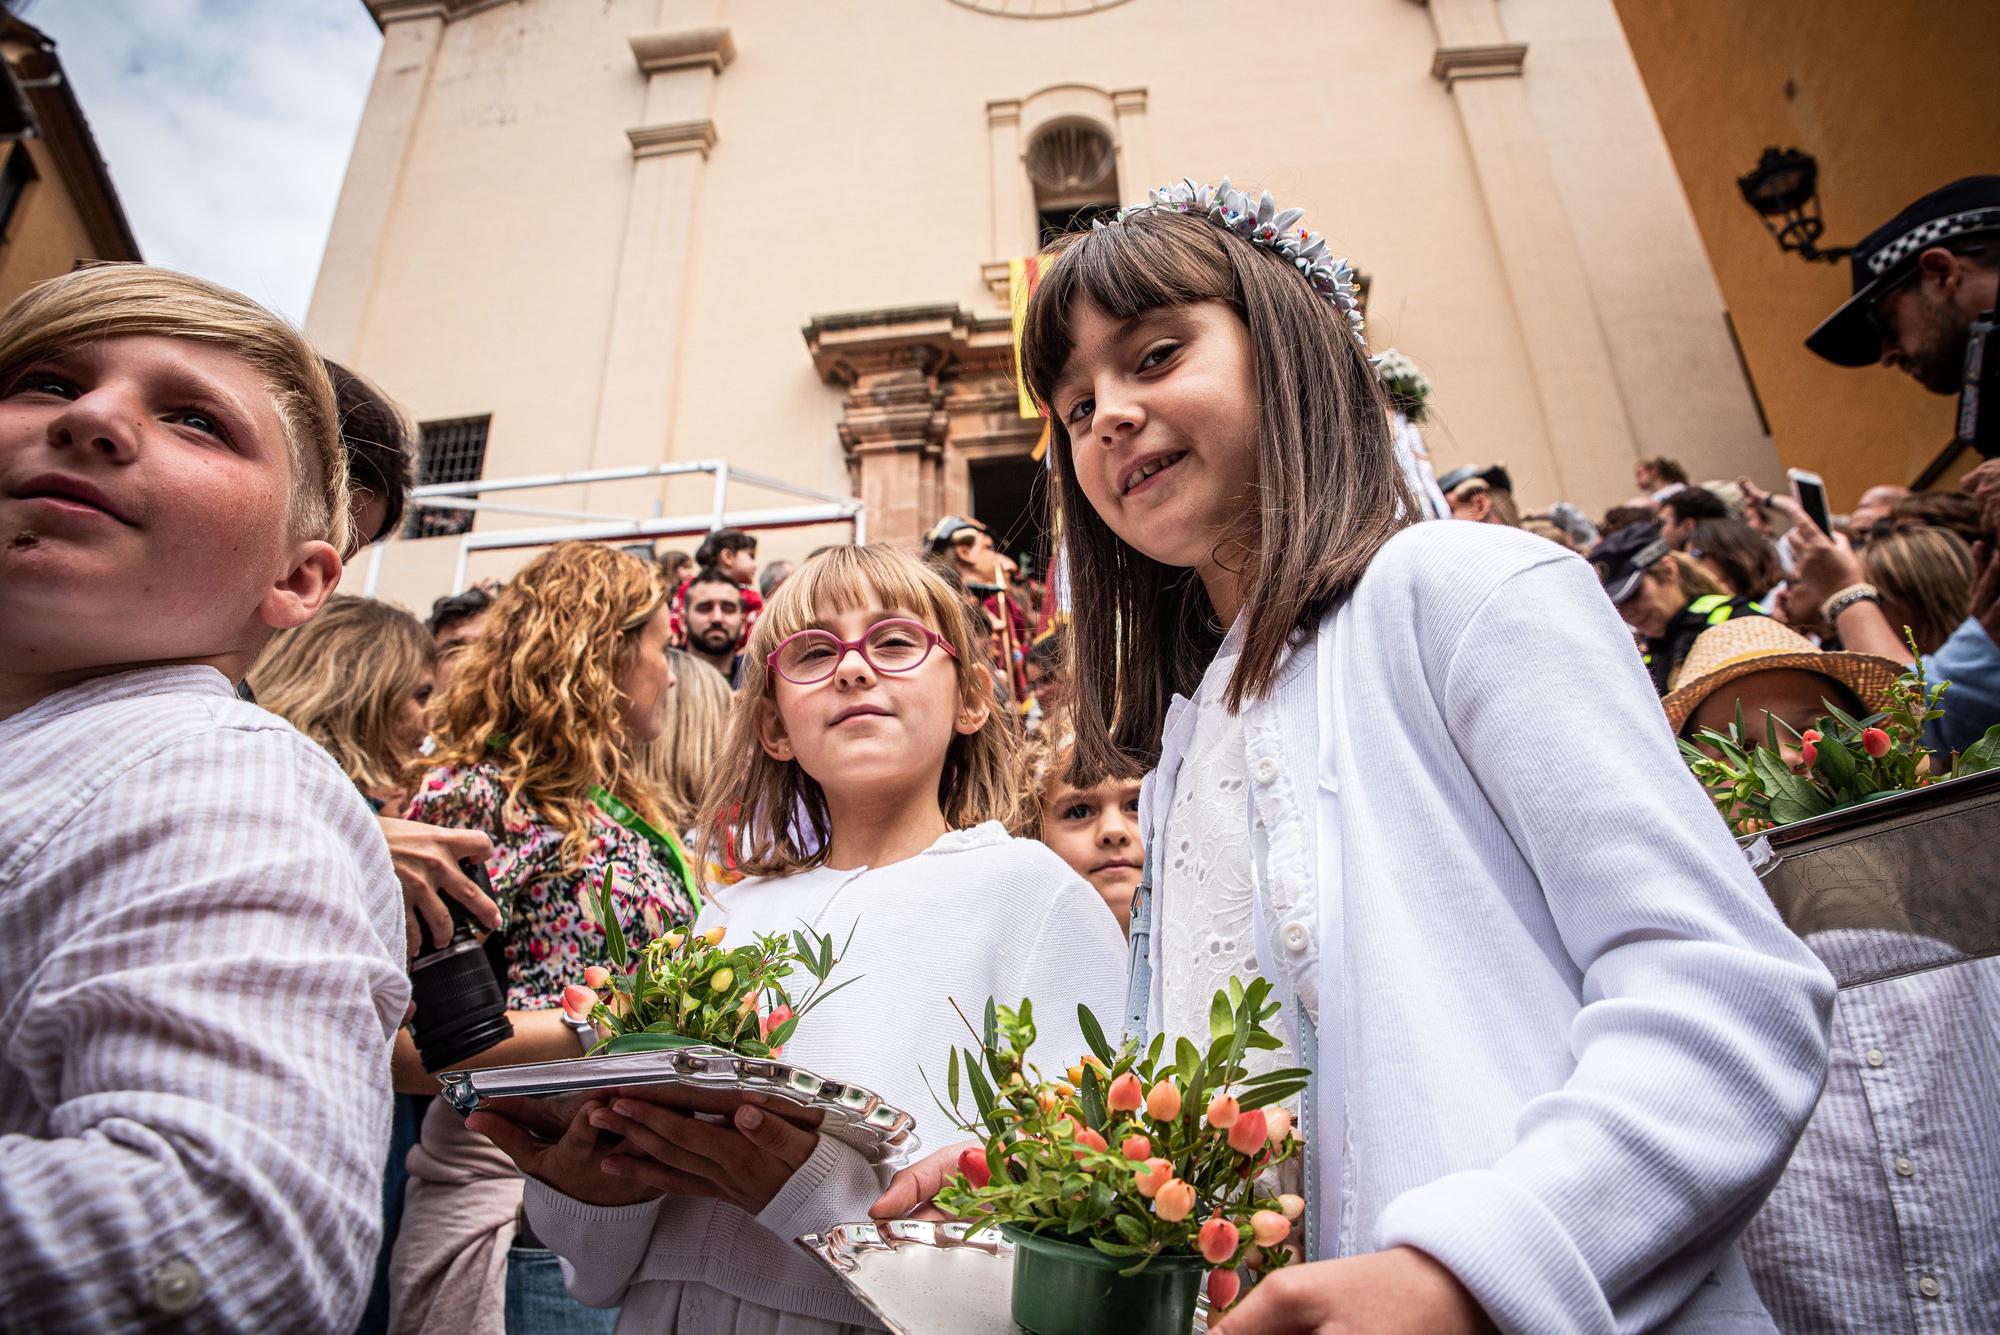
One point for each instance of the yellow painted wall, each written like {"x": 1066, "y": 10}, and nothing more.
{"x": 1895, "y": 98}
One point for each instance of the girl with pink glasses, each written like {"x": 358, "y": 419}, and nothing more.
{"x": 867, "y": 772}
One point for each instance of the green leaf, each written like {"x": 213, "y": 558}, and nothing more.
{"x": 1981, "y": 756}
{"x": 1187, "y": 1062}
{"x": 1093, "y": 1034}
{"x": 982, "y": 1090}
{"x": 1118, "y": 1249}
{"x": 607, "y": 913}
{"x": 951, "y": 1079}
{"x": 1836, "y": 762}
{"x": 647, "y": 1042}
{"x": 1095, "y": 1113}
{"x": 1221, "y": 1016}
{"x": 1133, "y": 1230}
{"x": 1266, "y": 1095}
{"x": 992, "y": 1025}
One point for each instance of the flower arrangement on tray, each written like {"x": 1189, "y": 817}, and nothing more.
{"x": 1409, "y": 389}
{"x": 682, "y": 989}
{"x": 1843, "y": 761}
{"x": 1140, "y": 1163}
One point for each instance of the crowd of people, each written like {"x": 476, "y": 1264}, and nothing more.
{"x": 1293, "y": 706}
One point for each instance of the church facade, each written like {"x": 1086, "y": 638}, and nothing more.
{"x": 584, "y": 235}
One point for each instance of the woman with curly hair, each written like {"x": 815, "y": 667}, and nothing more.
{"x": 355, "y": 679}
{"x": 538, "y": 738}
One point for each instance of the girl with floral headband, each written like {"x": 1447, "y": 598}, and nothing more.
{"x": 876, "y": 766}
{"x": 1412, "y": 771}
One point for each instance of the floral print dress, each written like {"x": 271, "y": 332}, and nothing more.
{"x": 548, "y": 912}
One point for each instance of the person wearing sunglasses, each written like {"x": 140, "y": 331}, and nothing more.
{"x": 869, "y": 770}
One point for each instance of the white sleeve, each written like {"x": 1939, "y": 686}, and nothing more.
{"x": 601, "y": 1246}
{"x": 1701, "y": 1044}
{"x": 207, "y": 1036}
{"x": 834, "y": 1186}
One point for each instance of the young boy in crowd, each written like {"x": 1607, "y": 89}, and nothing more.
{"x": 1095, "y": 830}
{"x": 200, "y": 940}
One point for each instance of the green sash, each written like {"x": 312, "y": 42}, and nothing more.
{"x": 668, "y": 846}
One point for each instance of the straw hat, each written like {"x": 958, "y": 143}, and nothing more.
{"x": 1747, "y": 644}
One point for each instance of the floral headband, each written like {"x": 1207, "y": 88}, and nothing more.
{"x": 1261, "y": 224}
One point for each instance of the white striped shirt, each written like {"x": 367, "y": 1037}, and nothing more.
{"x": 201, "y": 971}
{"x": 1887, "y": 1219}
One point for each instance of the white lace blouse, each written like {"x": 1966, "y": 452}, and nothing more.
{"x": 1207, "y": 902}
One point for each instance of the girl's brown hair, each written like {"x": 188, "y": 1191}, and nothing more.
{"x": 678, "y": 764}
{"x": 537, "y": 695}
{"x": 1745, "y": 559}
{"x": 102, "y": 301}
{"x": 1043, "y": 761}
{"x": 1329, "y": 492}
{"x": 342, "y": 678}
{"x": 1929, "y": 573}
{"x": 776, "y": 812}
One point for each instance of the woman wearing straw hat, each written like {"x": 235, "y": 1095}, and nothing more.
{"x": 1766, "y": 667}
{"x": 1885, "y": 1218}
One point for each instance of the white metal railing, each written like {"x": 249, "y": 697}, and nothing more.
{"x": 597, "y": 526}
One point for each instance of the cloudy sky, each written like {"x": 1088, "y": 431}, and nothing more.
{"x": 226, "y": 125}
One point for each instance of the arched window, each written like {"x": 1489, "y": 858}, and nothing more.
{"x": 1073, "y": 166}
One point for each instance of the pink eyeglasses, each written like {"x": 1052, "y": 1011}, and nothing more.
{"x": 898, "y": 644}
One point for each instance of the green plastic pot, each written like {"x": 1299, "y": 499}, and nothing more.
{"x": 1070, "y": 1288}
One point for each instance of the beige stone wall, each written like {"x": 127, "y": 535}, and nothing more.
{"x": 499, "y": 248}
{"x": 1894, "y": 98}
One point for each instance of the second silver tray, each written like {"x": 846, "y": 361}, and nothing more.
{"x": 924, "y": 1278}
{"x": 854, "y": 1116}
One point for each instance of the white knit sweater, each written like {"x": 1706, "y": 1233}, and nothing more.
{"x": 1565, "y": 1044}
{"x": 978, "y": 914}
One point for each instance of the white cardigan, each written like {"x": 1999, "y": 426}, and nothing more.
{"x": 977, "y": 914}
{"x": 1565, "y": 1044}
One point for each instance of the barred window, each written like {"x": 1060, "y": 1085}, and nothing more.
{"x": 453, "y": 450}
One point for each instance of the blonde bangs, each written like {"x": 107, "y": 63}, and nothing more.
{"x": 85, "y": 306}
{"x": 770, "y": 812}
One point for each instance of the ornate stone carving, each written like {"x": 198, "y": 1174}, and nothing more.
{"x": 927, "y": 386}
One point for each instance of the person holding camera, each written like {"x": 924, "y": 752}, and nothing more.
{"x": 537, "y": 743}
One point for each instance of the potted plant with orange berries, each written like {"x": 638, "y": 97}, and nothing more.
{"x": 682, "y": 989}
{"x": 1121, "y": 1184}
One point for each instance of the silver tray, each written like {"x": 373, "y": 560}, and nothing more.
{"x": 1893, "y": 887}
{"x": 715, "y": 1079}
{"x": 922, "y": 1278}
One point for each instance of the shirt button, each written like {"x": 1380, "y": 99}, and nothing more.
{"x": 1929, "y": 1287}
{"x": 174, "y": 1287}
{"x": 1904, "y": 1167}
{"x": 1875, "y": 1057}
{"x": 1296, "y": 937}
{"x": 1265, "y": 770}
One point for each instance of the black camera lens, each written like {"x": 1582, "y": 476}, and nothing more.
{"x": 461, "y": 1007}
